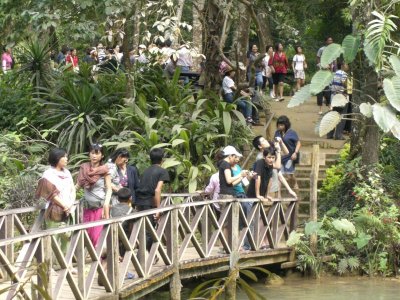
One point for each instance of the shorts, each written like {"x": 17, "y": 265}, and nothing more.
{"x": 288, "y": 167}
{"x": 299, "y": 74}
{"x": 278, "y": 77}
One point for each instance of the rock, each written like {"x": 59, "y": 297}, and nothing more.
{"x": 274, "y": 279}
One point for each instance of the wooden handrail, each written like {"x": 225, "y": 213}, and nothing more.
{"x": 185, "y": 233}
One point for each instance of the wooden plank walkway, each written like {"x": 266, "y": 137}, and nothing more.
{"x": 186, "y": 243}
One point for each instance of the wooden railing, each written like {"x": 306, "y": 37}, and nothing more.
{"x": 186, "y": 231}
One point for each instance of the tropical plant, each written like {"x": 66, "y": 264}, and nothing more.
{"x": 74, "y": 110}
{"x": 214, "y": 288}
{"x": 377, "y": 46}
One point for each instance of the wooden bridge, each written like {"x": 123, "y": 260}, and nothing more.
{"x": 189, "y": 241}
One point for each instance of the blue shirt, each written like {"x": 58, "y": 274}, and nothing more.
{"x": 236, "y": 170}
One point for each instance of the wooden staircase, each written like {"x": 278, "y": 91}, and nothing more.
{"x": 327, "y": 157}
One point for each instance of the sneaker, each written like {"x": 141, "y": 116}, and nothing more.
{"x": 320, "y": 112}
{"x": 272, "y": 95}
{"x": 250, "y": 120}
{"x": 281, "y": 99}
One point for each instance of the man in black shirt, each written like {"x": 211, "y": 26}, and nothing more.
{"x": 259, "y": 185}
{"x": 148, "y": 194}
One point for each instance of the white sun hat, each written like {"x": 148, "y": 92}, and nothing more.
{"x": 230, "y": 150}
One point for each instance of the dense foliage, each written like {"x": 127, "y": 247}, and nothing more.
{"x": 360, "y": 229}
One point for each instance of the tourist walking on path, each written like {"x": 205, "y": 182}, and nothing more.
{"x": 325, "y": 94}
{"x": 228, "y": 89}
{"x": 7, "y": 60}
{"x": 148, "y": 194}
{"x": 299, "y": 66}
{"x": 95, "y": 179}
{"x": 339, "y": 87}
{"x": 57, "y": 187}
{"x": 185, "y": 60}
{"x": 124, "y": 176}
{"x": 292, "y": 142}
{"x": 267, "y": 72}
{"x": 279, "y": 66}
{"x": 256, "y": 62}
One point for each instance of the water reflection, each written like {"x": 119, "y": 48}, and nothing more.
{"x": 330, "y": 288}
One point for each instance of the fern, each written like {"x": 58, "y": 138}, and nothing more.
{"x": 378, "y": 34}
{"x": 353, "y": 262}
{"x": 342, "y": 266}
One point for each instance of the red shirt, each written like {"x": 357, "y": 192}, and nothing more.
{"x": 72, "y": 60}
{"x": 279, "y": 62}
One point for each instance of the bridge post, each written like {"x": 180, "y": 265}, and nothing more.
{"x": 230, "y": 292}
{"x": 175, "y": 282}
{"x": 7, "y": 231}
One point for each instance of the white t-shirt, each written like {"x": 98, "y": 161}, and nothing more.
{"x": 299, "y": 60}
{"x": 227, "y": 85}
{"x": 266, "y": 68}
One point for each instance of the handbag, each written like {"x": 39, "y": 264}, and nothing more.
{"x": 54, "y": 213}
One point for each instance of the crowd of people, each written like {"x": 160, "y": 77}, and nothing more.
{"x": 113, "y": 187}
{"x": 112, "y": 58}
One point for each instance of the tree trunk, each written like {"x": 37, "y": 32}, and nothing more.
{"x": 212, "y": 26}
{"x": 263, "y": 19}
{"x": 241, "y": 39}
{"x": 176, "y": 33}
{"x": 197, "y": 32}
{"x": 365, "y": 134}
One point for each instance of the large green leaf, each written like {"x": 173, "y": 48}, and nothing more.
{"x": 227, "y": 119}
{"x": 312, "y": 227}
{"x": 344, "y": 225}
{"x": 392, "y": 91}
{"x": 320, "y": 80}
{"x": 395, "y": 62}
{"x": 366, "y": 109}
{"x": 300, "y": 96}
{"x": 170, "y": 162}
{"x": 350, "y": 46}
{"x": 329, "y": 122}
{"x": 362, "y": 240}
{"x": 330, "y": 53}
{"x": 339, "y": 100}
{"x": 384, "y": 117}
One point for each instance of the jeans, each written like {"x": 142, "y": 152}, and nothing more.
{"x": 246, "y": 206}
{"x": 243, "y": 106}
{"x": 185, "y": 69}
{"x": 259, "y": 80}
{"x": 149, "y": 237}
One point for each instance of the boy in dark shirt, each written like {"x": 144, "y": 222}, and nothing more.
{"x": 148, "y": 194}
{"x": 259, "y": 185}
{"x": 121, "y": 209}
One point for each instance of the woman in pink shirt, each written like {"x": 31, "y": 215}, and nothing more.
{"x": 72, "y": 59}
{"x": 6, "y": 60}
{"x": 279, "y": 65}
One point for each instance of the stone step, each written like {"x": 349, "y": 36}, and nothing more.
{"x": 305, "y": 182}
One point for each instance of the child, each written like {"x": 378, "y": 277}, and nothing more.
{"x": 121, "y": 209}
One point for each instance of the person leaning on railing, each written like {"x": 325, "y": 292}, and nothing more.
{"x": 57, "y": 187}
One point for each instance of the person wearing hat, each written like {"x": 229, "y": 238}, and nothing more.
{"x": 226, "y": 179}
{"x": 228, "y": 89}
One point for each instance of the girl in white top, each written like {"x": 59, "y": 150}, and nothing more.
{"x": 299, "y": 66}
{"x": 267, "y": 72}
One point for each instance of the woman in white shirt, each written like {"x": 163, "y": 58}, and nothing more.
{"x": 299, "y": 65}
{"x": 267, "y": 72}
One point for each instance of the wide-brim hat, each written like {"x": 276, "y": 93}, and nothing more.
{"x": 230, "y": 150}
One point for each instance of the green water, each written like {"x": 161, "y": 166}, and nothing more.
{"x": 327, "y": 288}
{"x": 330, "y": 288}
